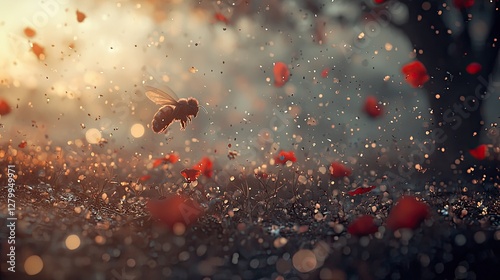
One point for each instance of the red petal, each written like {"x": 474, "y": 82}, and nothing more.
{"x": 479, "y": 152}
{"x": 4, "y": 107}
{"x": 415, "y": 73}
{"x": 338, "y": 170}
{"x": 39, "y": 51}
{"x": 29, "y": 32}
{"x": 157, "y": 162}
{"x": 363, "y": 225}
{"x": 23, "y": 144}
{"x": 360, "y": 190}
{"x": 281, "y": 74}
{"x": 473, "y": 68}
{"x": 372, "y": 108}
{"x": 407, "y": 213}
{"x": 80, "y": 16}
{"x": 175, "y": 209}
{"x": 460, "y": 4}
{"x": 379, "y": 1}
{"x": 284, "y": 156}
{"x": 173, "y": 158}
{"x": 220, "y": 17}
{"x": 145, "y": 178}
{"x": 324, "y": 73}
{"x": 206, "y": 166}
{"x": 190, "y": 174}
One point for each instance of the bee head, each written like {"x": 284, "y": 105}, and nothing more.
{"x": 193, "y": 106}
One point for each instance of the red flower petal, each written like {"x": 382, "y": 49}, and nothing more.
{"x": 284, "y": 156}
{"x": 175, "y": 209}
{"x": 281, "y": 74}
{"x": 190, "y": 174}
{"x": 23, "y": 144}
{"x": 39, "y": 51}
{"x": 463, "y": 4}
{"x": 372, "y": 108}
{"x": 407, "y": 213}
{"x": 324, "y": 73}
{"x": 338, "y": 170}
{"x": 4, "y": 107}
{"x": 222, "y": 18}
{"x": 144, "y": 178}
{"x": 360, "y": 190}
{"x": 29, "y": 32}
{"x": 415, "y": 73}
{"x": 80, "y": 16}
{"x": 473, "y": 68}
{"x": 172, "y": 158}
{"x": 479, "y": 152}
{"x": 363, "y": 225}
{"x": 205, "y": 166}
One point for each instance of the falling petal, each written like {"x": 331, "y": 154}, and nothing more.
{"x": 372, "y": 108}
{"x": 281, "y": 74}
{"x": 473, "y": 68}
{"x": 190, "y": 175}
{"x": 415, "y": 73}
{"x": 363, "y": 225}
{"x": 479, "y": 152}
{"x": 360, "y": 190}
{"x": 407, "y": 213}
{"x": 175, "y": 209}
{"x": 338, "y": 170}
{"x": 285, "y": 156}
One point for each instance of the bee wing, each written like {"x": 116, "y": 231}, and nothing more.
{"x": 160, "y": 97}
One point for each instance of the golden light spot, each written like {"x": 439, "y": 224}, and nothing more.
{"x": 179, "y": 228}
{"x": 280, "y": 242}
{"x": 100, "y": 239}
{"x": 137, "y": 130}
{"x": 72, "y": 242}
{"x": 388, "y": 47}
{"x": 304, "y": 260}
{"x": 33, "y": 265}
{"x": 93, "y": 136}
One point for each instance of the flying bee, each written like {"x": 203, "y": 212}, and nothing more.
{"x": 173, "y": 109}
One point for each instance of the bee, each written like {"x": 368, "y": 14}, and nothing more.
{"x": 173, "y": 109}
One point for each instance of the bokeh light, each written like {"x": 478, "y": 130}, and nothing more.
{"x": 72, "y": 242}
{"x": 33, "y": 265}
